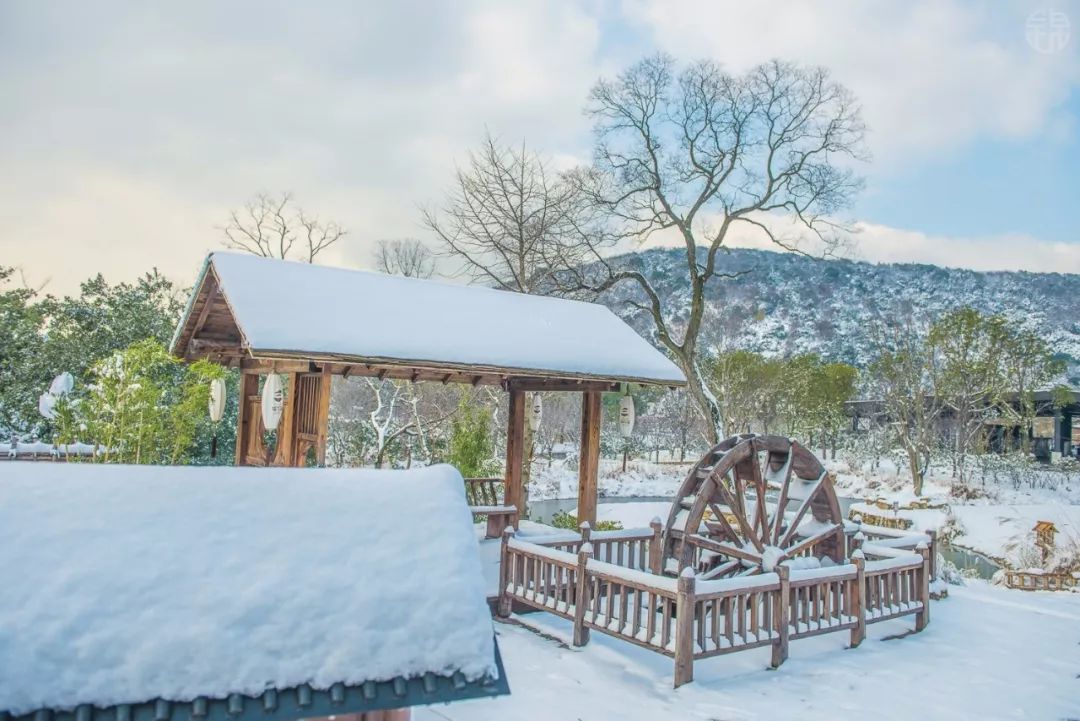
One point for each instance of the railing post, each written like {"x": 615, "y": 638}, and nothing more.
{"x": 506, "y": 599}
{"x": 922, "y": 618}
{"x": 581, "y": 594}
{"x": 656, "y": 546}
{"x": 857, "y": 600}
{"x": 933, "y": 554}
{"x": 781, "y": 614}
{"x": 857, "y": 542}
{"x": 586, "y": 531}
{"x": 685, "y": 603}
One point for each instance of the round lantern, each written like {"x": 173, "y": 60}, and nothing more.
{"x": 47, "y": 405}
{"x": 62, "y": 385}
{"x": 536, "y": 412}
{"x": 217, "y": 399}
{"x": 626, "y": 416}
{"x": 273, "y": 400}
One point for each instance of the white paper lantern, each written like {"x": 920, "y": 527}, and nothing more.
{"x": 47, "y": 405}
{"x": 273, "y": 401}
{"x": 626, "y": 416}
{"x": 217, "y": 399}
{"x": 536, "y": 412}
{"x": 62, "y": 384}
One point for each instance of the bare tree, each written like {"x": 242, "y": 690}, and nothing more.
{"x": 501, "y": 219}
{"x": 502, "y": 215}
{"x": 275, "y": 227}
{"x": 699, "y": 155}
{"x": 908, "y": 377}
{"x": 408, "y": 257}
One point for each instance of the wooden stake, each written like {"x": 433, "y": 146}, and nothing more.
{"x": 656, "y": 547}
{"x": 781, "y": 614}
{"x": 922, "y": 618}
{"x": 581, "y": 595}
{"x": 506, "y": 599}
{"x": 684, "y": 627}
{"x": 856, "y": 599}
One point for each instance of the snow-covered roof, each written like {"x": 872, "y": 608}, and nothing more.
{"x": 125, "y": 584}
{"x": 288, "y": 309}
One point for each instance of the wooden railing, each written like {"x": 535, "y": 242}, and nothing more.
{"x": 485, "y": 497}
{"x": 690, "y": 619}
{"x": 1031, "y": 581}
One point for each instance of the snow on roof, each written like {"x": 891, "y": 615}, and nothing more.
{"x": 287, "y": 306}
{"x": 122, "y": 584}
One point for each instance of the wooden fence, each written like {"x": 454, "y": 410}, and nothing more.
{"x": 609, "y": 583}
{"x": 1046, "y": 581}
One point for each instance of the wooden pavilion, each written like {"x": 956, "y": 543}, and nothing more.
{"x": 312, "y": 322}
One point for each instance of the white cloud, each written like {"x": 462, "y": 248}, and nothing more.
{"x": 130, "y": 135}
{"x": 932, "y": 75}
{"x": 131, "y": 131}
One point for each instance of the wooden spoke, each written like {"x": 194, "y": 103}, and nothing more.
{"x": 813, "y": 540}
{"x": 781, "y": 503}
{"x": 725, "y": 548}
{"x": 804, "y": 506}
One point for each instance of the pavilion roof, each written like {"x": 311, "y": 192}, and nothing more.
{"x": 281, "y": 310}
{"x": 171, "y": 593}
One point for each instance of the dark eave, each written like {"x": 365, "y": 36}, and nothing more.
{"x": 291, "y": 703}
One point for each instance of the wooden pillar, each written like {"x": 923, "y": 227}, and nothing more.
{"x": 922, "y": 618}
{"x": 246, "y": 423}
{"x": 581, "y": 594}
{"x": 857, "y": 599}
{"x": 685, "y": 606}
{"x": 286, "y": 430}
{"x": 589, "y": 464}
{"x": 781, "y": 616}
{"x": 322, "y": 416}
{"x": 515, "y": 451}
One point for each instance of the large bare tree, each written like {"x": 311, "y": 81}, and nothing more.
{"x": 502, "y": 216}
{"x": 700, "y": 155}
{"x": 500, "y": 221}
{"x": 274, "y": 226}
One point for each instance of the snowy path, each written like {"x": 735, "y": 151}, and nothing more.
{"x": 989, "y": 653}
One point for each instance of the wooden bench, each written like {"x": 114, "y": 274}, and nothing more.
{"x": 486, "y": 498}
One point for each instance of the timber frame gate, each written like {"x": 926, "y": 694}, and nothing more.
{"x": 303, "y": 425}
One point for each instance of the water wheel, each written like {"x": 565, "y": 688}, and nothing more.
{"x": 750, "y": 503}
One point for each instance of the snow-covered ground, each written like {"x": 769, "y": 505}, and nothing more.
{"x": 1009, "y": 502}
{"x": 989, "y": 653}
{"x": 559, "y": 479}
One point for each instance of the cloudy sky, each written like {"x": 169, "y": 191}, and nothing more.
{"x": 129, "y": 130}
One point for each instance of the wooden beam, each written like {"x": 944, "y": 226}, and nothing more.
{"x": 211, "y": 296}
{"x": 261, "y": 365}
{"x": 532, "y": 385}
{"x": 515, "y": 451}
{"x": 589, "y": 463}
{"x": 199, "y": 346}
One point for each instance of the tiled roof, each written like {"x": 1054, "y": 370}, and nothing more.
{"x": 291, "y": 703}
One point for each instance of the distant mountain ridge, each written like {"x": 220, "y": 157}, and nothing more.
{"x": 789, "y": 304}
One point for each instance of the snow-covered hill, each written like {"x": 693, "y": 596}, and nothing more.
{"x": 791, "y": 304}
